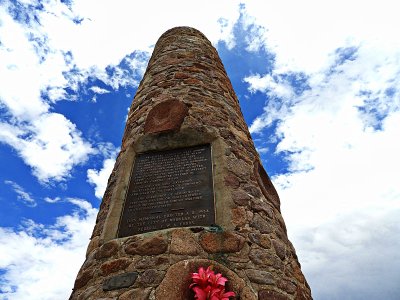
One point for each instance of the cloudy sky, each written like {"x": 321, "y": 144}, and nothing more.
{"x": 319, "y": 86}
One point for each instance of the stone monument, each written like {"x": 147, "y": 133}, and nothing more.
{"x": 188, "y": 190}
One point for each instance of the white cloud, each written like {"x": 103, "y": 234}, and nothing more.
{"x": 368, "y": 79}
{"x": 99, "y": 90}
{"x": 50, "y": 145}
{"x": 59, "y": 46}
{"x": 21, "y": 193}
{"x": 47, "y": 142}
{"x": 302, "y": 34}
{"x": 107, "y": 24}
{"x": 342, "y": 195}
{"x": 354, "y": 256}
{"x": 340, "y": 198}
{"x": 52, "y": 200}
{"x": 263, "y": 150}
{"x": 99, "y": 178}
{"x": 17, "y": 68}
{"x": 41, "y": 261}
{"x": 276, "y": 87}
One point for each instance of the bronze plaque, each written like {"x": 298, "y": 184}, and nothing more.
{"x": 172, "y": 188}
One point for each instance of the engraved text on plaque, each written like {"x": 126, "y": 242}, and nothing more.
{"x": 172, "y": 188}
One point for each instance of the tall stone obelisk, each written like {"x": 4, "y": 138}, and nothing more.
{"x": 188, "y": 190}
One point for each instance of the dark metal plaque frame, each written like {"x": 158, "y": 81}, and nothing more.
{"x": 172, "y": 188}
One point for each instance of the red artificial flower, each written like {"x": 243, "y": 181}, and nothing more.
{"x": 221, "y": 295}
{"x": 217, "y": 280}
{"x": 200, "y": 294}
{"x": 209, "y": 286}
{"x": 201, "y": 278}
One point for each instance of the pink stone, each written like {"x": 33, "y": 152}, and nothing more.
{"x": 107, "y": 250}
{"x": 239, "y": 216}
{"x": 232, "y": 181}
{"x": 226, "y": 242}
{"x": 151, "y": 277}
{"x": 287, "y": 286}
{"x": 262, "y": 225}
{"x": 240, "y": 197}
{"x": 180, "y": 75}
{"x": 114, "y": 265}
{"x": 149, "y": 246}
{"x": 183, "y": 242}
{"x": 280, "y": 249}
{"x": 83, "y": 278}
{"x": 166, "y": 116}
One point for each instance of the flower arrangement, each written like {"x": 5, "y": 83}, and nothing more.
{"x": 209, "y": 286}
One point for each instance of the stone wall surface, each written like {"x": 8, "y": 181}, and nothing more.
{"x": 186, "y": 99}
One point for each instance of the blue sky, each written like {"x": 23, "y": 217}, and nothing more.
{"x": 319, "y": 86}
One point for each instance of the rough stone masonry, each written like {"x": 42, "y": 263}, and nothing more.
{"x": 188, "y": 189}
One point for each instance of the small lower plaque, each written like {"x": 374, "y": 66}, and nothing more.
{"x": 172, "y": 188}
